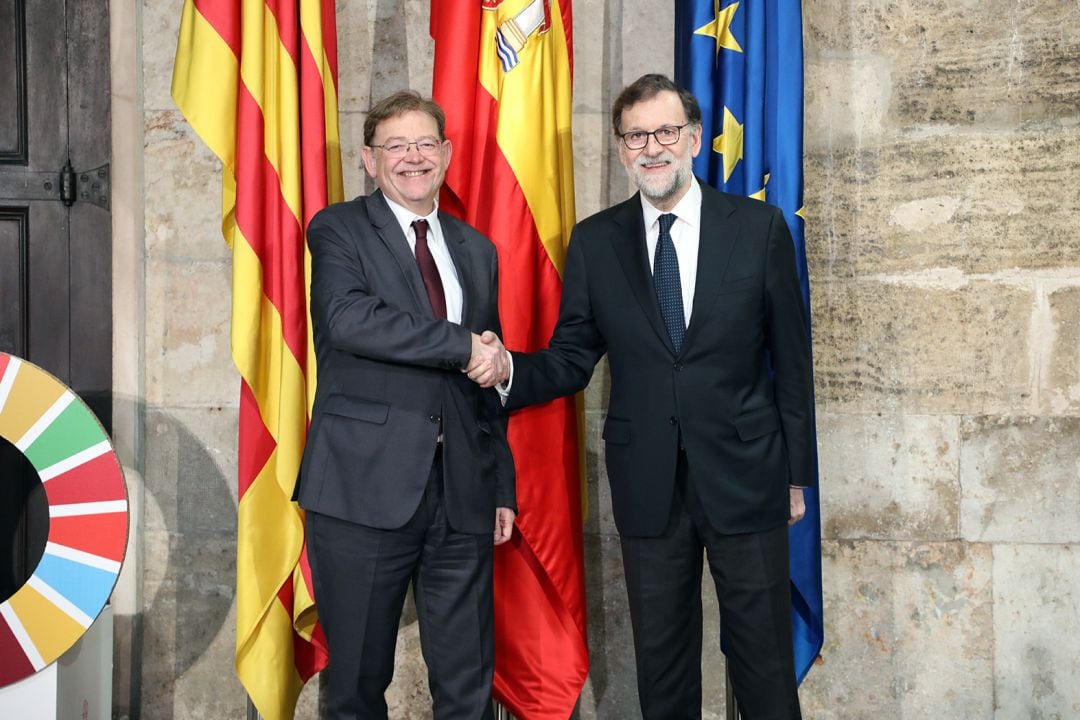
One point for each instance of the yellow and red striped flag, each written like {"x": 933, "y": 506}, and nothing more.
{"x": 257, "y": 80}
{"x": 503, "y": 73}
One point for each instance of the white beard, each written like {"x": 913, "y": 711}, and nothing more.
{"x": 659, "y": 189}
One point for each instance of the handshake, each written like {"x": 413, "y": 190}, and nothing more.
{"x": 490, "y": 363}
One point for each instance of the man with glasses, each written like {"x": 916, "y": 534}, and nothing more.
{"x": 407, "y": 475}
{"x": 693, "y": 295}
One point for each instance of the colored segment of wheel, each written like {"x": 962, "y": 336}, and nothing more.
{"x": 88, "y": 518}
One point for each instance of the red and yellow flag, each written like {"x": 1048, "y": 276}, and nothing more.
{"x": 257, "y": 80}
{"x": 503, "y": 73}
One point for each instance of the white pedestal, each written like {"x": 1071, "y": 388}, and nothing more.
{"x": 32, "y": 698}
{"x": 78, "y": 686}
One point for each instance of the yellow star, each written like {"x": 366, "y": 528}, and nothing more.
{"x": 801, "y": 212}
{"x": 760, "y": 194}
{"x": 719, "y": 29}
{"x": 729, "y": 143}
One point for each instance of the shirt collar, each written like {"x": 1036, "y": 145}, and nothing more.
{"x": 688, "y": 209}
{"x": 405, "y": 217}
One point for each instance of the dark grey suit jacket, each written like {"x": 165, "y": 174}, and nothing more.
{"x": 389, "y": 376}
{"x": 747, "y": 434}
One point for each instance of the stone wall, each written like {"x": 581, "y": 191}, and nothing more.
{"x": 942, "y": 156}
{"x": 942, "y": 166}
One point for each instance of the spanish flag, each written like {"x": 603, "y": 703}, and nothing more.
{"x": 257, "y": 80}
{"x": 503, "y": 75}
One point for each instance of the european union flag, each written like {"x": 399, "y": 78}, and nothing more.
{"x": 743, "y": 61}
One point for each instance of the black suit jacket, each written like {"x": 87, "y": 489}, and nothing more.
{"x": 747, "y": 435}
{"x": 389, "y": 377}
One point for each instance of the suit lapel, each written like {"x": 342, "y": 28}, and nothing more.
{"x": 455, "y": 243}
{"x": 389, "y": 232}
{"x": 628, "y": 241}
{"x": 719, "y": 236}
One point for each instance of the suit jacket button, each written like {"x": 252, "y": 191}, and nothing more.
{"x": 678, "y": 367}
{"x": 673, "y": 420}
{"x": 433, "y": 418}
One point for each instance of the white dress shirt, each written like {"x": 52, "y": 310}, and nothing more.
{"x": 437, "y": 245}
{"x": 685, "y": 234}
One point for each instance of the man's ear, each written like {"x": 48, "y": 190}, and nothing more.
{"x": 622, "y": 152}
{"x": 368, "y": 154}
{"x": 448, "y": 150}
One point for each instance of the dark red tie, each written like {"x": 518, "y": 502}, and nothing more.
{"x": 428, "y": 270}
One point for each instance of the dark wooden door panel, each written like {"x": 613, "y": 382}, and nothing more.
{"x": 90, "y": 240}
{"x": 13, "y": 117}
{"x": 14, "y": 279}
{"x": 49, "y": 298}
{"x": 54, "y": 90}
{"x": 46, "y": 66}
{"x": 55, "y": 252}
{"x": 90, "y": 338}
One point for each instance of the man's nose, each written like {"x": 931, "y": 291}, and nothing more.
{"x": 652, "y": 141}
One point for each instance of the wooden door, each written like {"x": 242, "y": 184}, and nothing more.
{"x": 55, "y": 230}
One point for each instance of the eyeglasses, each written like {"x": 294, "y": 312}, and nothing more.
{"x": 400, "y": 148}
{"x": 667, "y": 135}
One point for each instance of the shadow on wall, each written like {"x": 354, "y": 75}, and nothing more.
{"x": 187, "y": 562}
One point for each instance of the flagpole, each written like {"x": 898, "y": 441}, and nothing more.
{"x": 501, "y": 713}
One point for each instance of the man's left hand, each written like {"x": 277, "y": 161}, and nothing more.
{"x": 798, "y": 505}
{"x": 504, "y": 524}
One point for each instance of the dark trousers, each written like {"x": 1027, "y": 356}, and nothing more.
{"x": 361, "y": 575}
{"x": 663, "y": 582}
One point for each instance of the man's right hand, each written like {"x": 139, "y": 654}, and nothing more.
{"x": 488, "y": 365}
{"x": 798, "y": 505}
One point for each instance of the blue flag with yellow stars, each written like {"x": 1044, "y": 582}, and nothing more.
{"x": 743, "y": 61}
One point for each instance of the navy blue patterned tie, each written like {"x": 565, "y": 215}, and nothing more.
{"x": 667, "y": 283}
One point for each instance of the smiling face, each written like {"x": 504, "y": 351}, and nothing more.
{"x": 662, "y": 173}
{"x": 412, "y": 180}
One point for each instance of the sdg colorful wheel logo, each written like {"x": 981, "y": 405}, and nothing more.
{"x": 88, "y": 518}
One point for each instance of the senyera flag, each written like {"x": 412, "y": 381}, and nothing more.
{"x": 257, "y": 80}
{"x": 744, "y": 63}
{"x": 503, "y": 75}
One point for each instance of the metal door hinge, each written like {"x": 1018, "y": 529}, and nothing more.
{"x": 90, "y": 186}
{"x": 68, "y": 186}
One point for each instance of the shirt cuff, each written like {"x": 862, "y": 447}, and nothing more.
{"x": 504, "y": 388}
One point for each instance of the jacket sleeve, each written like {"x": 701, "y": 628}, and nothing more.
{"x": 355, "y": 320}
{"x": 788, "y": 342}
{"x": 576, "y": 345}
